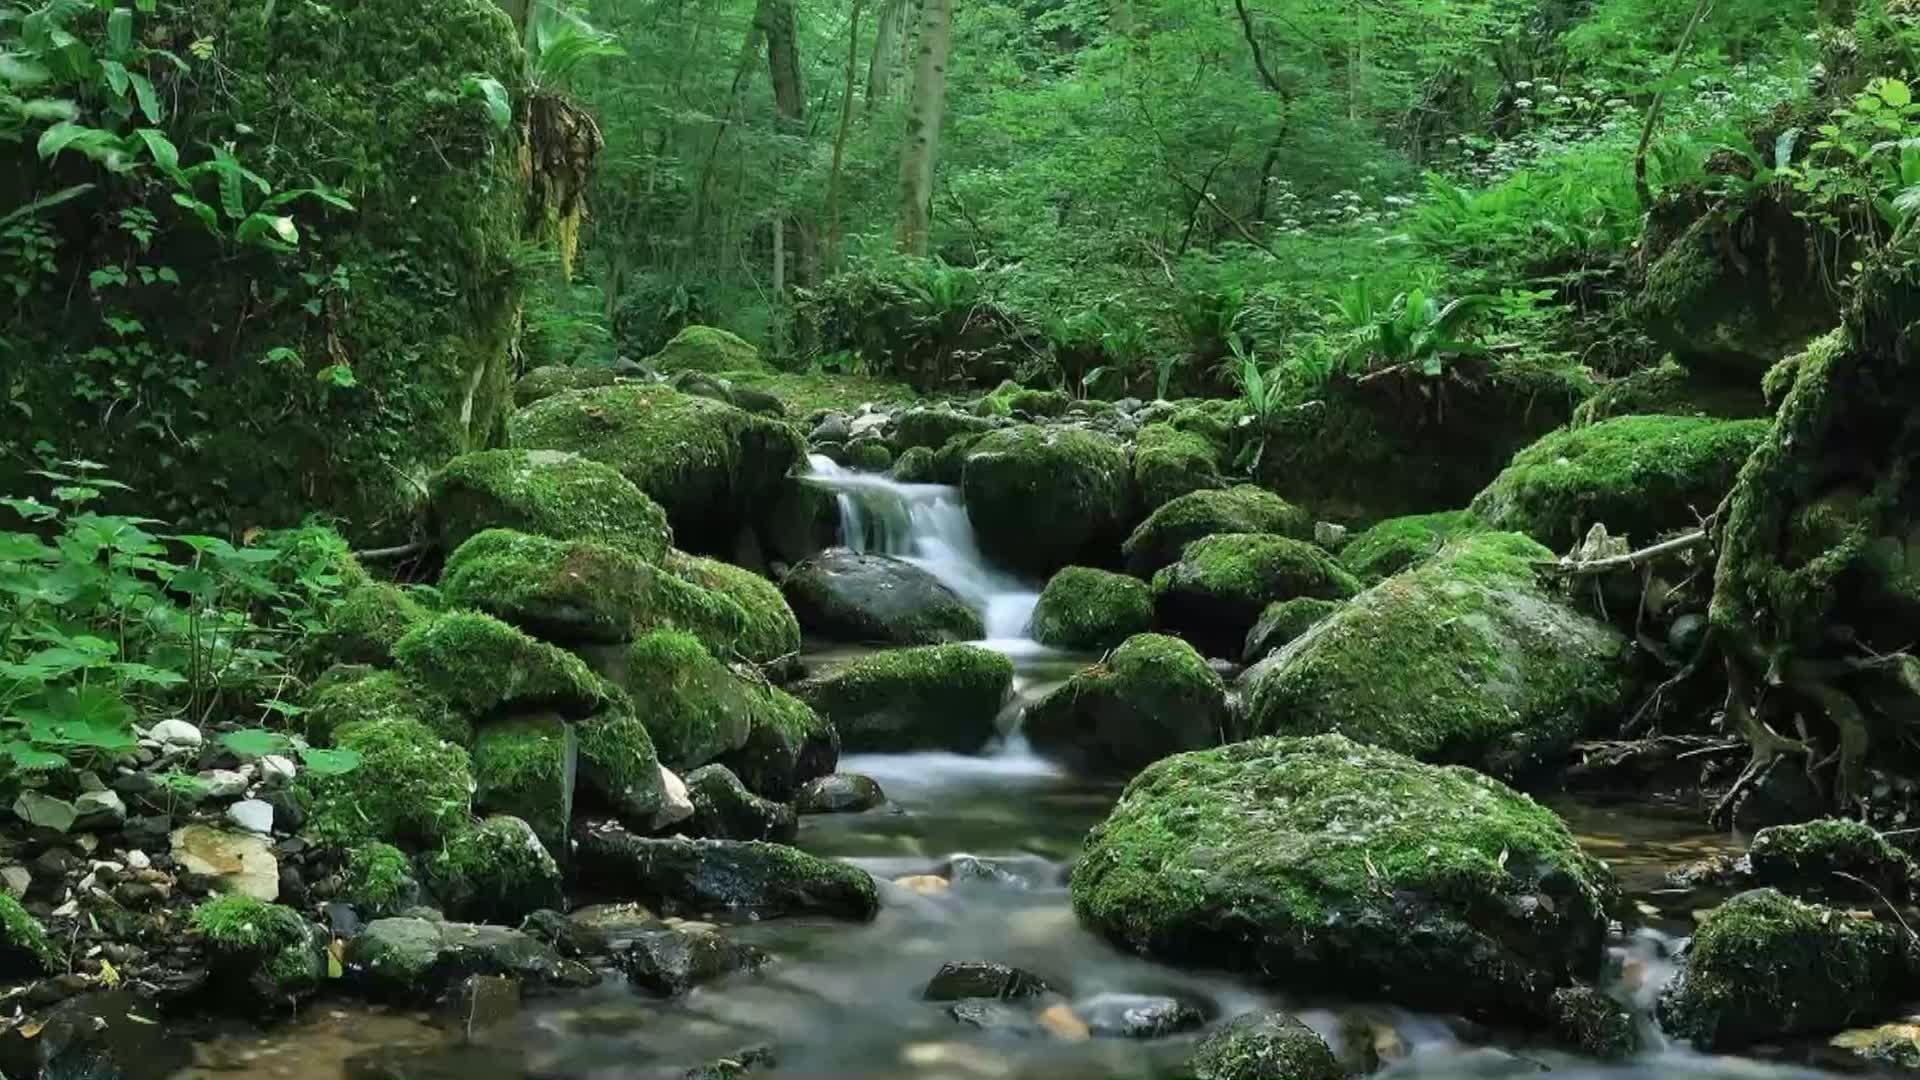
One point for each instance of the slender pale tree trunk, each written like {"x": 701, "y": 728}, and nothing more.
{"x": 780, "y": 24}
{"x": 840, "y": 141}
{"x": 886, "y": 48}
{"x": 921, "y": 150}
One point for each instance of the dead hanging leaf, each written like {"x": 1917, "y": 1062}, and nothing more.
{"x": 32, "y": 1030}
{"x": 1504, "y": 854}
{"x": 109, "y": 977}
{"x": 335, "y": 968}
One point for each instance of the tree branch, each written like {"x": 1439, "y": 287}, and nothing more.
{"x": 1701, "y": 8}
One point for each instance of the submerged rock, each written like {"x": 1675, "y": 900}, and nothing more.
{"x": 877, "y": 599}
{"x": 1159, "y": 540}
{"x": 1466, "y": 659}
{"x": 1152, "y": 697}
{"x": 938, "y": 697}
{"x": 1217, "y": 591}
{"x": 841, "y": 793}
{"x": 1263, "y": 1046}
{"x": 1083, "y": 608}
{"x": 1137, "y": 1016}
{"x": 742, "y": 878}
{"x": 416, "y": 960}
{"x": 669, "y": 961}
{"x": 725, "y": 810}
{"x": 1765, "y": 966}
{"x": 1318, "y": 862}
{"x": 981, "y": 979}
{"x": 1045, "y": 497}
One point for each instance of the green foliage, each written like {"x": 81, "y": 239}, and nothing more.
{"x": 102, "y": 620}
{"x": 246, "y": 926}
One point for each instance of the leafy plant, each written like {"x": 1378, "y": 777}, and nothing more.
{"x": 259, "y": 742}
{"x": 1414, "y": 329}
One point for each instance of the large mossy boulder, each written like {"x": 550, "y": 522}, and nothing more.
{"x": 351, "y": 693}
{"x": 1215, "y": 594}
{"x": 550, "y": 379}
{"x": 1152, "y": 697}
{"x": 709, "y": 350}
{"x": 526, "y": 766}
{"x": 411, "y": 787}
{"x": 1638, "y": 475}
{"x": 564, "y": 591}
{"x": 694, "y": 707}
{"x": 1041, "y": 498}
{"x": 842, "y": 595}
{"x": 739, "y": 878}
{"x": 415, "y": 961}
{"x": 711, "y": 466}
{"x": 1765, "y": 966}
{"x": 1832, "y": 857}
{"x": 546, "y": 493}
{"x": 1084, "y": 608}
{"x": 364, "y": 627}
{"x": 768, "y": 627}
{"x": 1264, "y": 1046}
{"x": 496, "y": 870}
{"x": 619, "y": 767}
{"x": 932, "y": 427}
{"x": 1401, "y": 543}
{"x": 1283, "y": 622}
{"x": 1466, "y": 659}
{"x": 1324, "y": 865}
{"x": 484, "y": 665}
{"x": 1672, "y": 389}
{"x": 1159, "y": 540}
{"x": 223, "y": 430}
{"x": 1169, "y": 463}
{"x": 935, "y": 697}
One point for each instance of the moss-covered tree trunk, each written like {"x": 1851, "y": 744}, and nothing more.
{"x": 1817, "y": 590}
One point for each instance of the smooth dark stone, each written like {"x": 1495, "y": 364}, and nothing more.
{"x": 982, "y": 979}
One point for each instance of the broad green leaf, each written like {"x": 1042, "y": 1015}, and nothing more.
{"x": 120, "y": 33}
{"x": 165, "y": 154}
{"x": 255, "y": 742}
{"x": 493, "y": 96}
{"x": 26, "y": 758}
{"x": 330, "y": 762}
{"x": 50, "y": 109}
{"x": 22, "y": 72}
{"x": 143, "y": 93}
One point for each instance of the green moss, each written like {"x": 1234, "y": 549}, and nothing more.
{"x": 379, "y": 881}
{"x": 352, "y": 694}
{"x": 367, "y": 98}
{"x": 1399, "y": 543}
{"x": 619, "y": 763}
{"x": 25, "y": 947}
{"x": 1464, "y": 659}
{"x": 916, "y": 465}
{"x": 693, "y": 706}
{"x": 495, "y": 871}
{"x": 1217, "y": 591}
{"x": 1012, "y": 399}
{"x": 482, "y": 664}
{"x": 565, "y": 591}
{"x": 243, "y": 925}
{"x": 869, "y": 455}
{"x": 807, "y": 392}
{"x": 708, "y": 464}
{"x": 1640, "y": 475}
{"x": 950, "y": 461}
{"x": 1169, "y": 463}
{"x": 1668, "y": 389}
{"x": 789, "y": 745}
{"x": 1284, "y": 621}
{"x": 364, "y": 626}
{"x": 410, "y": 787}
{"x": 1594, "y": 1023}
{"x": 1320, "y": 862}
{"x": 544, "y": 382}
{"x": 706, "y": 349}
{"x": 767, "y": 630}
{"x": 1160, "y": 539}
{"x": 1764, "y": 966}
{"x": 524, "y": 766}
{"x": 1083, "y": 608}
{"x": 1152, "y": 697}
{"x": 546, "y": 493}
{"x": 930, "y": 428}
{"x": 1076, "y": 481}
{"x": 928, "y": 697}
{"x": 1264, "y": 1046}
{"x": 1831, "y": 857}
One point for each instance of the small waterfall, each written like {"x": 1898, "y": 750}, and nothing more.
{"x": 926, "y": 525}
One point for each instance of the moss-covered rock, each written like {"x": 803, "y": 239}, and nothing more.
{"x": 936, "y": 697}
{"x": 1159, "y": 540}
{"x": 1831, "y": 857}
{"x": 619, "y": 767}
{"x": 868, "y": 455}
{"x": 841, "y": 595}
{"x": 790, "y": 745}
{"x": 1264, "y": 1046}
{"x": 1152, "y": 697}
{"x": 1169, "y": 463}
{"x": 1076, "y": 482}
{"x": 1215, "y": 594}
{"x": 484, "y": 665}
{"x": 1012, "y": 399}
{"x": 366, "y": 97}
{"x": 932, "y": 427}
{"x": 364, "y": 626}
{"x": 551, "y": 379}
{"x": 1083, "y": 608}
{"x": 564, "y": 591}
{"x": 269, "y": 946}
{"x": 741, "y": 878}
{"x": 950, "y": 461}
{"x": 1639, "y": 475}
{"x": 1670, "y": 389}
{"x": 724, "y": 809}
{"x": 547, "y": 493}
{"x": 695, "y": 707}
{"x": 26, "y": 950}
{"x": 525, "y": 766}
{"x": 1765, "y": 966}
{"x": 349, "y": 694}
{"x": 707, "y": 349}
{"x": 1465, "y": 659}
{"x": 916, "y": 465}
{"x": 411, "y": 787}
{"x": 1594, "y": 1024}
{"x": 709, "y": 465}
{"x": 1401, "y": 543}
{"x": 768, "y": 629}
{"x": 1284, "y": 621}
{"x": 495, "y": 870}
{"x": 1323, "y": 864}
{"x": 415, "y": 961}
{"x": 379, "y": 881}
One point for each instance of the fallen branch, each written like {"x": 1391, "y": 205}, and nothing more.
{"x": 388, "y": 554}
{"x": 1570, "y": 567}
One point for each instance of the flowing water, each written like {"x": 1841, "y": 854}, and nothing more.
{"x": 844, "y": 1000}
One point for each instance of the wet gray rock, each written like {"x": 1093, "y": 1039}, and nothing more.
{"x": 724, "y": 809}
{"x": 965, "y": 979}
{"x": 45, "y": 811}
{"x": 1015, "y": 872}
{"x": 98, "y": 811}
{"x": 678, "y": 876}
{"x": 1139, "y": 1016}
{"x": 877, "y": 599}
{"x": 1260, "y": 1046}
{"x": 669, "y": 961}
{"x": 841, "y": 793}
{"x": 741, "y": 1062}
{"x": 411, "y": 959}
{"x": 481, "y": 1002}
{"x": 106, "y": 1035}
{"x": 176, "y": 735}
{"x": 995, "y": 1017}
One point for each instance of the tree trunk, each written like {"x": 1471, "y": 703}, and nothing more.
{"x": 780, "y": 23}
{"x": 921, "y": 150}
{"x": 840, "y": 142}
{"x": 743, "y": 67}
{"x": 886, "y": 50}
